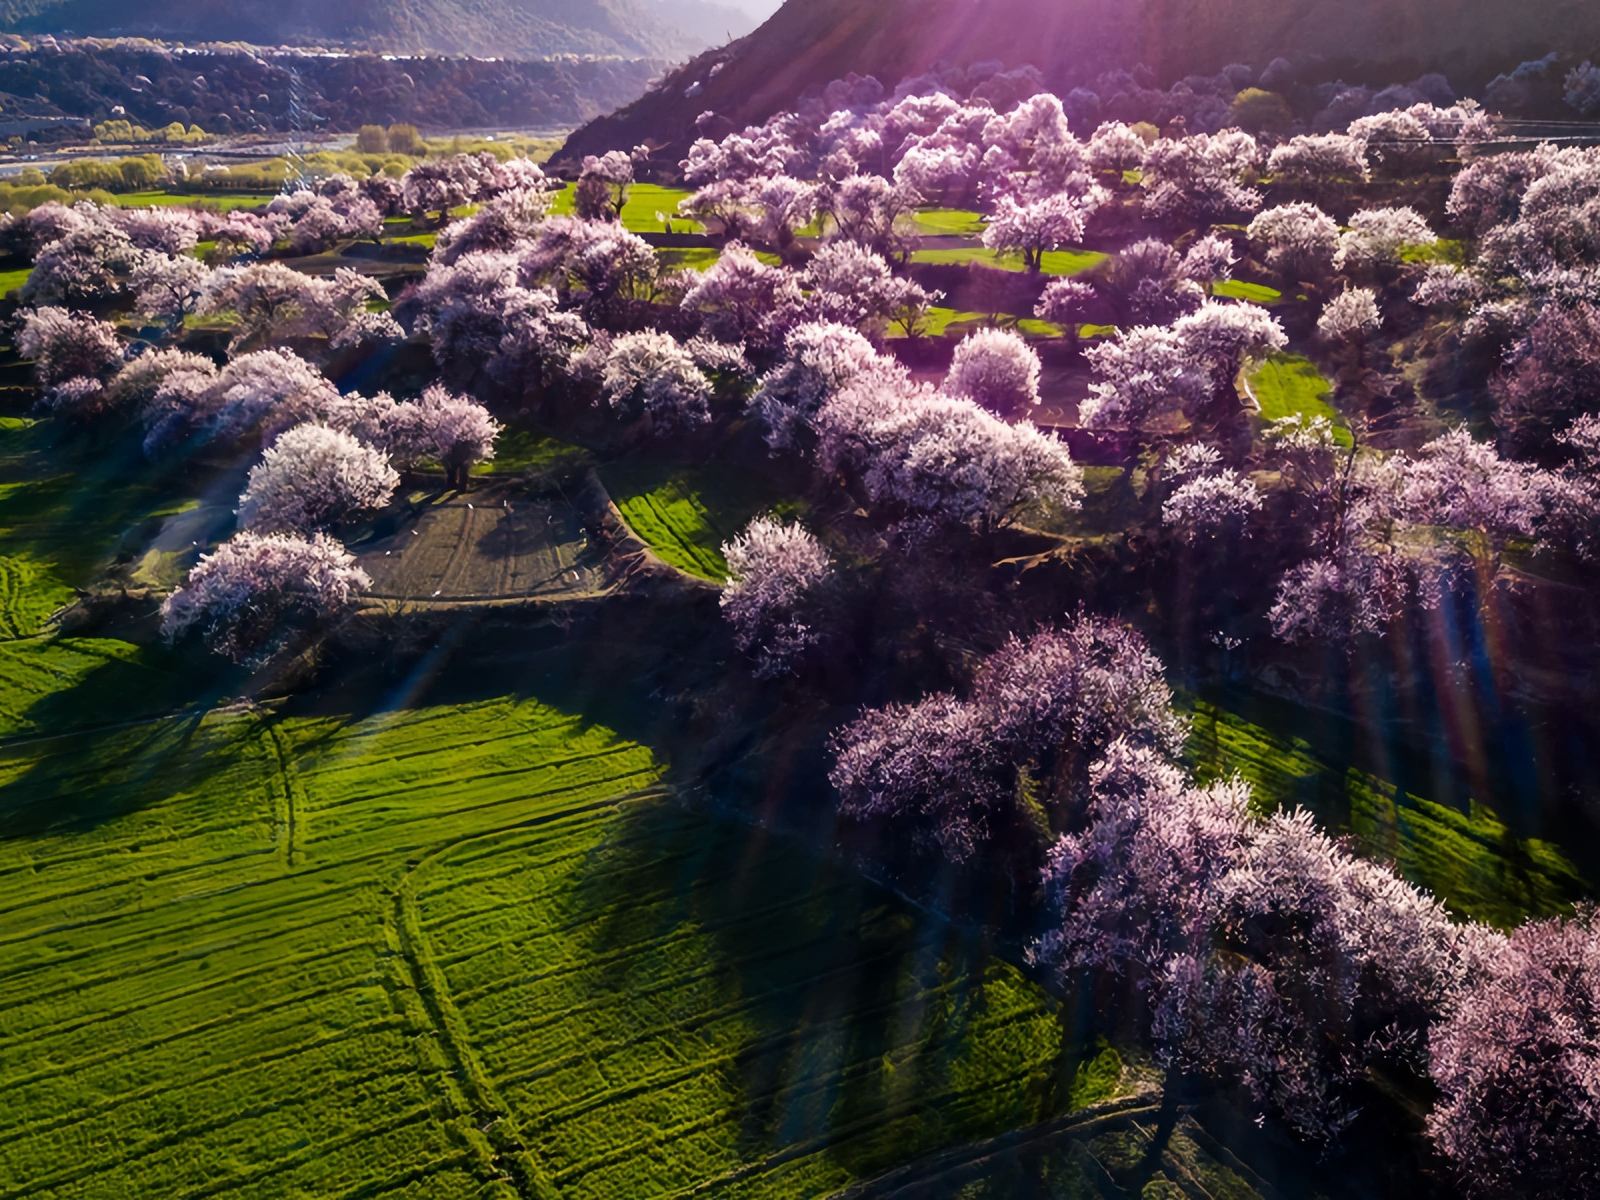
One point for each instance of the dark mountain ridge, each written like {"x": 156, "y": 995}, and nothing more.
{"x": 809, "y": 43}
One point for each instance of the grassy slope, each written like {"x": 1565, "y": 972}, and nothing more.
{"x": 686, "y": 514}
{"x": 63, "y": 510}
{"x": 1288, "y": 385}
{"x": 431, "y": 952}
{"x": 1468, "y": 859}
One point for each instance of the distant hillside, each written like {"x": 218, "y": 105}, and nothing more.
{"x": 808, "y": 43}
{"x": 516, "y": 28}
{"x": 240, "y": 91}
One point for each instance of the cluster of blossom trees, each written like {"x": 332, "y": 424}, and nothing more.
{"x": 1268, "y": 957}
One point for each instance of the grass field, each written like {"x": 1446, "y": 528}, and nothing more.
{"x": 1288, "y": 385}
{"x": 647, "y": 203}
{"x": 13, "y": 279}
{"x": 1469, "y": 859}
{"x": 464, "y": 949}
{"x": 686, "y": 514}
{"x": 949, "y": 222}
{"x": 1243, "y": 289}
{"x": 221, "y": 201}
{"x": 1052, "y": 262}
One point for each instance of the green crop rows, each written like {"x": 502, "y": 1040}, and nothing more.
{"x": 459, "y": 950}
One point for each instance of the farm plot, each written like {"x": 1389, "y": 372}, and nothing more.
{"x": 206, "y": 988}
{"x": 661, "y": 1002}
{"x": 461, "y": 950}
{"x": 491, "y": 545}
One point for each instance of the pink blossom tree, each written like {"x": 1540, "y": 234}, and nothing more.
{"x": 914, "y": 453}
{"x": 1299, "y": 241}
{"x": 778, "y": 574}
{"x": 74, "y": 356}
{"x": 88, "y": 262}
{"x": 997, "y": 369}
{"x": 1321, "y": 965}
{"x": 458, "y": 432}
{"x": 167, "y": 289}
{"x": 314, "y": 478}
{"x": 1031, "y": 228}
{"x": 851, "y": 285}
{"x": 820, "y": 360}
{"x": 258, "y": 592}
{"x": 739, "y": 298}
{"x": 650, "y": 375}
{"x": 1515, "y": 1062}
{"x": 1350, "y": 319}
{"x": 1377, "y": 236}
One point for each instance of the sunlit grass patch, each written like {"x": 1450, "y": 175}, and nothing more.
{"x": 1243, "y": 289}
{"x": 1288, "y": 385}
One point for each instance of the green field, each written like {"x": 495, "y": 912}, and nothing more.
{"x": 949, "y": 222}
{"x": 1052, "y": 262}
{"x": 1243, "y": 289}
{"x": 686, "y": 514}
{"x": 221, "y": 201}
{"x": 1469, "y": 859}
{"x": 647, "y": 203}
{"x": 1288, "y": 385}
{"x": 464, "y": 949}
{"x": 13, "y": 279}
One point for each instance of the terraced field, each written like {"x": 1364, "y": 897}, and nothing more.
{"x": 462, "y": 950}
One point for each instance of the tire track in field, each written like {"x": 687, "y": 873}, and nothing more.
{"x": 491, "y": 1127}
{"x": 287, "y": 815}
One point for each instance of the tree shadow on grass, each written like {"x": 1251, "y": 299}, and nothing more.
{"x": 125, "y": 733}
{"x": 76, "y": 782}
{"x": 866, "y": 1031}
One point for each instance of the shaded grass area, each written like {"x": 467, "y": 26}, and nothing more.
{"x": 685, "y": 514}
{"x": 51, "y": 685}
{"x": 1288, "y": 385}
{"x": 733, "y": 1016}
{"x": 522, "y": 451}
{"x": 65, "y": 505}
{"x": 1469, "y": 859}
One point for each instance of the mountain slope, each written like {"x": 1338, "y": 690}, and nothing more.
{"x": 630, "y": 28}
{"x": 811, "y": 42}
